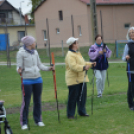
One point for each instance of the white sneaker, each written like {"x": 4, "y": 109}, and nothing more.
{"x": 40, "y": 124}
{"x": 24, "y": 127}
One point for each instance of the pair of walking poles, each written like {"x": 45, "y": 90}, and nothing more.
{"x": 92, "y": 89}
{"x": 92, "y": 97}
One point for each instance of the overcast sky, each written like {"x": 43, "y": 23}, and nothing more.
{"x": 24, "y": 5}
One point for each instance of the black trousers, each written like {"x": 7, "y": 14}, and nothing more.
{"x": 36, "y": 89}
{"x": 130, "y": 92}
{"x": 73, "y": 99}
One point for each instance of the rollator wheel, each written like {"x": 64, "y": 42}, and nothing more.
{"x": 8, "y": 131}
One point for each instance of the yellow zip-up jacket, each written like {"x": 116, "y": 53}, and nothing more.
{"x": 74, "y": 68}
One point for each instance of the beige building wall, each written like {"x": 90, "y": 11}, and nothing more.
{"x": 13, "y": 33}
{"x": 114, "y": 17}
{"x": 69, "y": 7}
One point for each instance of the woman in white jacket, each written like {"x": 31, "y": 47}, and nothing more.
{"x": 29, "y": 65}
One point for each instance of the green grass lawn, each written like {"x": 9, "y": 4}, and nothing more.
{"x": 58, "y": 54}
{"x": 111, "y": 114}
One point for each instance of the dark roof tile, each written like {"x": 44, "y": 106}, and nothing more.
{"x": 110, "y": 1}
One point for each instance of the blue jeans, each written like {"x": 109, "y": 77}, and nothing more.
{"x": 36, "y": 89}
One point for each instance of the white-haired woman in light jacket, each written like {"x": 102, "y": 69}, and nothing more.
{"x": 128, "y": 56}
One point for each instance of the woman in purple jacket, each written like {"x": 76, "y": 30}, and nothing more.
{"x": 99, "y": 53}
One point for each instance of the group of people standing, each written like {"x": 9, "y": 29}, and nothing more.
{"x": 75, "y": 73}
{"x": 29, "y": 65}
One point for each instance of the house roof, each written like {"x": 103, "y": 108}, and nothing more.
{"x": 98, "y": 2}
{"x": 3, "y": 1}
{"x": 109, "y": 2}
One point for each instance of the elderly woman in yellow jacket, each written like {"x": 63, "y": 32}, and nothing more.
{"x": 75, "y": 70}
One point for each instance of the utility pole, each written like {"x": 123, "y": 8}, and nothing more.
{"x": 93, "y": 18}
{"x": 20, "y": 13}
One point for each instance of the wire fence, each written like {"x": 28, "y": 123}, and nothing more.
{"x": 60, "y": 29}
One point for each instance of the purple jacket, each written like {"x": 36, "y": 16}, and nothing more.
{"x": 101, "y": 60}
{"x": 94, "y": 52}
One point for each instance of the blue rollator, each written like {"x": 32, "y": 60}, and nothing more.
{"x": 3, "y": 119}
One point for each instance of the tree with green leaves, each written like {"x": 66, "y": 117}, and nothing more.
{"x": 35, "y": 3}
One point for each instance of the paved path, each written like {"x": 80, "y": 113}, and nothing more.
{"x": 110, "y": 61}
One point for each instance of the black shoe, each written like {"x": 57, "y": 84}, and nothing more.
{"x": 86, "y": 115}
{"x": 71, "y": 117}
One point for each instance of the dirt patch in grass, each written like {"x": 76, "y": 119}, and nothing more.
{"x": 45, "y": 107}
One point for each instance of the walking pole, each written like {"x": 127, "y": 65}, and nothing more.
{"x": 129, "y": 75}
{"x": 83, "y": 85}
{"x": 82, "y": 89}
{"x": 23, "y": 91}
{"x": 129, "y": 72}
{"x": 92, "y": 98}
{"x": 54, "y": 74}
{"x": 104, "y": 47}
{"x": 55, "y": 87}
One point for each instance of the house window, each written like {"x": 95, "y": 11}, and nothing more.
{"x": 10, "y": 15}
{"x": 45, "y": 35}
{"x": 21, "y": 34}
{"x": 57, "y": 30}
{"x": 60, "y": 15}
{"x": 2, "y": 17}
{"x": 79, "y": 30}
{"x": 127, "y": 25}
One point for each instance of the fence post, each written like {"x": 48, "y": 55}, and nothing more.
{"x": 116, "y": 44}
{"x": 101, "y": 26}
{"x": 72, "y": 23}
{"x": 62, "y": 48}
{"x": 48, "y": 40}
{"x": 114, "y": 49}
{"x": 25, "y": 28}
{"x": 47, "y": 48}
{"x": 7, "y": 47}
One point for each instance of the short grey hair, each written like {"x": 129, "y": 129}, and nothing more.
{"x": 127, "y": 36}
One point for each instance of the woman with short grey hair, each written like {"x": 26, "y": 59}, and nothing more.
{"x": 128, "y": 56}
